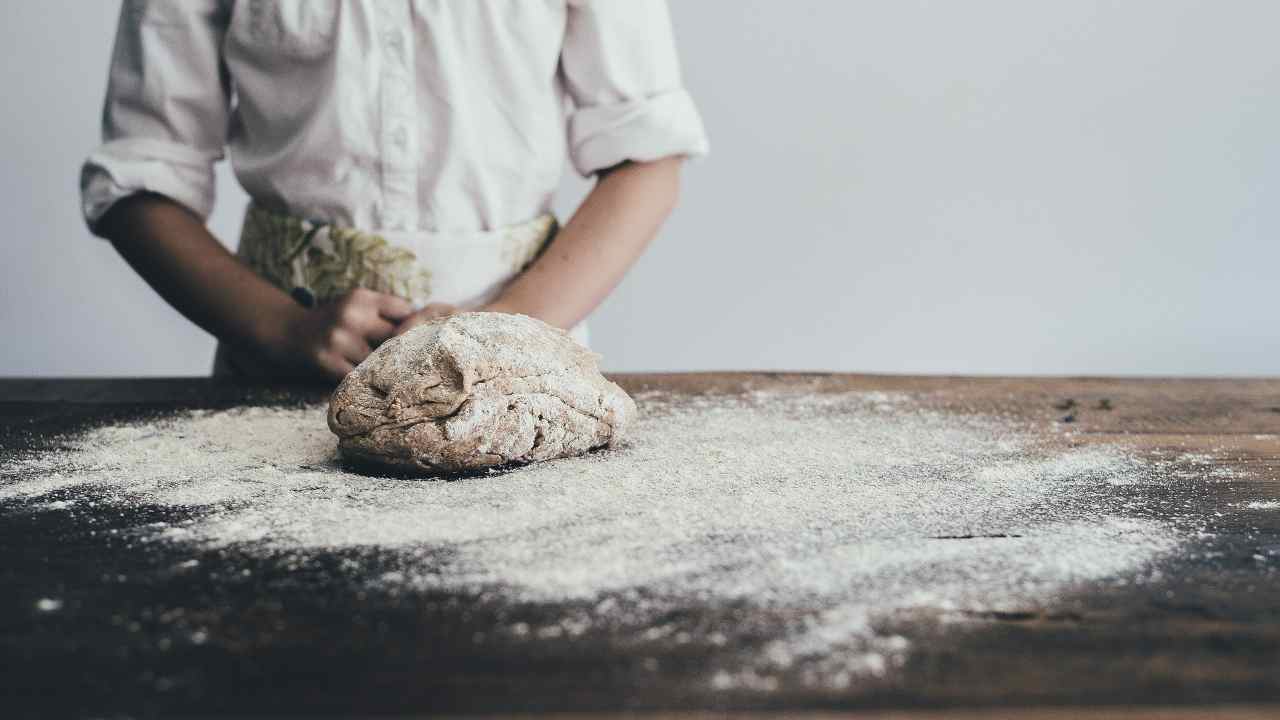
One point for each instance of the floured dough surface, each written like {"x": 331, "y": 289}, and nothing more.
{"x": 477, "y": 390}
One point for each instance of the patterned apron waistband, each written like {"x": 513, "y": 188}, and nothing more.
{"x": 318, "y": 262}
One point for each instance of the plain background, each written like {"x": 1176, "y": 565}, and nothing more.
{"x": 988, "y": 186}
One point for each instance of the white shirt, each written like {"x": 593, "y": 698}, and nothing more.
{"x": 386, "y": 114}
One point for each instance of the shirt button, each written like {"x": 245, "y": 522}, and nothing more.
{"x": 400, "y": 137}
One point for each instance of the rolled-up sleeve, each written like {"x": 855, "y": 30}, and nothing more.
{"x": 164, "y": 122}
{"x": 621, "y": 70}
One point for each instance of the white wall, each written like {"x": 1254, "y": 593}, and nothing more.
{"x": 988, "y": 186}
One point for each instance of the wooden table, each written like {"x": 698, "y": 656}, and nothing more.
{"x": 1205, "y": 638}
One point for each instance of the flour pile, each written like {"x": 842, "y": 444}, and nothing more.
{"x": 835, "y": 510}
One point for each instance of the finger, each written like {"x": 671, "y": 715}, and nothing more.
{"x": 393, "y": 308}
{"x": 334, "y": 366}
{"x": 376, "y": 330}
{"x": 348, "y": 344}
{"x": 429, "y": 312}
{"x": 439, "y": 310}
{"x": 411, "y": 322}
{"x": 356, "y": 350}
{"x": 362, "y": 316}
{"x": 432, "y": 311}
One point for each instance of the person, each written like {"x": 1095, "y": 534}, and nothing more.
{"x": 400, "y": 158}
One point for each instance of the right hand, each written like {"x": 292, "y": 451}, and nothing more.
{"x": 331, "y": 339}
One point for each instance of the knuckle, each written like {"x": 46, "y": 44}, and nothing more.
{"x": 333, "y": 336}
{"x": 349, "y": 314}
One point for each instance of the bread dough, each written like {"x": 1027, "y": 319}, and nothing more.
{"x": 477, "y": 390}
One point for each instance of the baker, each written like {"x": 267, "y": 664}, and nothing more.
{"x": 400, "y": 158}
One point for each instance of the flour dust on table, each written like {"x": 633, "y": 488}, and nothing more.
{"x": 825, "y": 512}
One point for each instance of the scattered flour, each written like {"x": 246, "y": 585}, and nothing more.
{"x": 833, "y": 510}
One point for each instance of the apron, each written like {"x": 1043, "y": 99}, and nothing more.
{"x": 316, "y": 262}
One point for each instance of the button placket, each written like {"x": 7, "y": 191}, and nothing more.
{"x": 397, "y": 128}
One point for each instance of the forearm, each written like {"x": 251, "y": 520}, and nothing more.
{"x": 173, "y": 251}
{"x": 594, "y": 250}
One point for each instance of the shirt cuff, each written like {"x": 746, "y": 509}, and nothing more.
{"x": 664, "y": 125}
{"x": 125, "y": 167}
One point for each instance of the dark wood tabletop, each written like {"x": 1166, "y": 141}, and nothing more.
{"x": 1202, "y": 640}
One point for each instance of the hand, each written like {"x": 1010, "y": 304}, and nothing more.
{"x": 429, "y": 312}
{"x": 501, "y": 306}
{"x": 332, "y": 339}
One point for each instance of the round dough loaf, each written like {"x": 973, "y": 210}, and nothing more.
{"x": 473, "y": 391}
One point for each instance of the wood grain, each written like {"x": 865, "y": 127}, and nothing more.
{"x": 1203, "y": 642}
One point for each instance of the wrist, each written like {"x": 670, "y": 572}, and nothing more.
{"x": 271, "y": 328}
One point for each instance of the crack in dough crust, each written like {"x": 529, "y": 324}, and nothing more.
{"x": 474, "y": 391}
